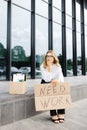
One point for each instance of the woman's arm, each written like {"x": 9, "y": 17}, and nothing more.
{"x": 59, "y": 76}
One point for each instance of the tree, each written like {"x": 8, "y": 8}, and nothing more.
{"x": 60, "y": 59}
{"x": 2, "y": 51}
{"x": 18, "y": 54}
{"x": 69, "y": 64}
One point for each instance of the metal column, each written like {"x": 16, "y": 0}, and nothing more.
{"x": 33, "y": 63}
{"x": 8, "y": 64}
{"x": 82, "y": 37}
{"x": 74, "y": 37}
{"x": 50, "y": 26}
{"x": 63, "y": 38}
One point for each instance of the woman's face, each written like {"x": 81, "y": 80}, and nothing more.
{"x": 49, "y": 58}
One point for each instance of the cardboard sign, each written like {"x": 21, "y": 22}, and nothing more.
{"x": 50, "y": 97}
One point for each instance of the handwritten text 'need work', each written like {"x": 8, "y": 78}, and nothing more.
{"x": 48, "y": 96}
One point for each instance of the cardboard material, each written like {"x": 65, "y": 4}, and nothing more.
{"x": 49, "y": 97}
{"x": 18, "y": 87}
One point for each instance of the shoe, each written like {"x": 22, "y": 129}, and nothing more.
{"x": 55, "y": 121}
{"x": 61, "y": 120}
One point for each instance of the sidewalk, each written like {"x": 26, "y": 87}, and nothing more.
{"x": 75, "y": 119}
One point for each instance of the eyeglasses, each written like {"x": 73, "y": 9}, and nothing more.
{"x": 49, "y": 56}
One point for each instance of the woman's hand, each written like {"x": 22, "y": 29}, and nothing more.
{"x": 55, "y": 81}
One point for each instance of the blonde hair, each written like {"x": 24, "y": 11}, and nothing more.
{"x": 56, "y": 60}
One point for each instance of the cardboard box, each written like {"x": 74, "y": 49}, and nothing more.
{"x": 18, "y": 87}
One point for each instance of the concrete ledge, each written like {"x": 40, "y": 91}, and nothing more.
{"x": 78, "y": 92}
{"x": 17, "y": 107}
{"x": 78, "y": 87}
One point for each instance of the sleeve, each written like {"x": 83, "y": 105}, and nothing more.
{"x": 60, "y": 76}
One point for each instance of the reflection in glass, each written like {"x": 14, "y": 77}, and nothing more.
{"x": 41, "y": 41}
{"x": 20, "y": 38}
{"x": 24, "y": 3}
{"x": 86, "y": 53}
{"x": 78, "y": 27}
{"x": 57, "y": 4}
{"x": 85, "y": 38}
{"x": 79, "y": 54}
{"x": 86, "y": 30}
{"x": 42, "y": 8}
{"x": 57, "y": 43}
{"x": 85, "y": 15}
{"x": 77, "y": 11}
{"x": 69, "y": 52}
{"x": 85, "y": 21}
{"x": 69, "y": 7}
{"x": 3, "y": 28}
{"x": 46, "y": 1}
{"x": 56, "y": 15}
{"x": 68, "y": 21}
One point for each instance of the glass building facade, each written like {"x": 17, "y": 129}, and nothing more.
{"x": 28, "y": 28}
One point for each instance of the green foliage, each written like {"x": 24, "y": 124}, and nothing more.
{"x": 18, "y": 54}
{"x": 69, "y": 64}
{"x": 2, "y": 51}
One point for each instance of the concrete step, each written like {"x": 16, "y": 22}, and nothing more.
{"x": 75, "y": 119}
{"x": 17, "y": 107}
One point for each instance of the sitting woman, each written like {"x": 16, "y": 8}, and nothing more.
{"x": 52, "y": 73}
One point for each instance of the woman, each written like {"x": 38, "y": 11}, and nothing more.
{"x": 52, "y": 73}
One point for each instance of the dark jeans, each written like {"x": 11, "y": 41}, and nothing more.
{"x": 54, "y": 112}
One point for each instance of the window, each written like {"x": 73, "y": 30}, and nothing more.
{"x": 24, "y": 3}
{"x": 85, "y": 38}
{"x": 42, "y": 8}
{"x": 57, "y": 11}
{"x": 78, "y": 54}
{"x": 69, "y": 52}
{"x": 68, "y": 22}
{"x": 77, "y": 11}
{"x": 78, "y": 26}
{"x": 56, "y": 15}
{"x": 86, "y": 53}
{"x": 20, "y": 38}
{"x": 78, "y": 34}
{"x": 69, "y": 7}
{"x": 41, "y": 41}
{"x": 3, "y": 30}
{"x": 69, "y": 13}
{"x": 57, "y": 4}
{"x": 57, "y": 43}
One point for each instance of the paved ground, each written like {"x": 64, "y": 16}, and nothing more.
{"x": 75, "y": 119}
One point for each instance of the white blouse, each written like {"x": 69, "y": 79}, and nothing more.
{"x": 56, "y": 73}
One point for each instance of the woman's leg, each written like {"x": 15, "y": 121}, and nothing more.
{"x": 53, "y": 112}
{"x": 61, "y": 113}
{"x": 54, "y": 116}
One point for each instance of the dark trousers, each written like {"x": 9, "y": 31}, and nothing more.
{"x": 54, "y": 112}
